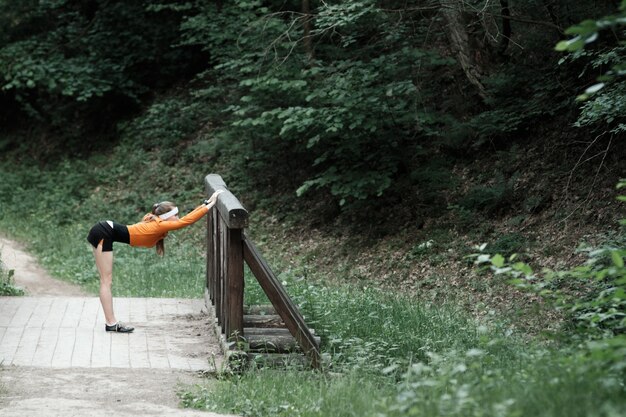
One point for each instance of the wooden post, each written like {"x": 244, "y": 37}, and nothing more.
{"x": 235, "y": 284}
{"x": 229, "y": 219}
{"x": 222, "y": 280}
{"x": 210, "y": 257}
{"x": 214, "y": 255}
{"x": 218, "y": 271}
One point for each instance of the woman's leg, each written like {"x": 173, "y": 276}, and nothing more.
{"x": 104, "y": 263}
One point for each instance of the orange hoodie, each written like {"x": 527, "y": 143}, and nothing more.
{"x": 147, "y": 234}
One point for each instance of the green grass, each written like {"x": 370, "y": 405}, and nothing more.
{"x": 387, "y": 355}
{"x": 293, "y": 393}
{"x": 384, "y": 354}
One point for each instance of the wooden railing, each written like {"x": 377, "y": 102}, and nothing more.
{"x": 227, "y": 249}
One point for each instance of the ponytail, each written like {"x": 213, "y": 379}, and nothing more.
{"x": 157, "y": 210}
{"x": 160, "y": 247}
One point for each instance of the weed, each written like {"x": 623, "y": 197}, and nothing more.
{"x": 7, "y": 284}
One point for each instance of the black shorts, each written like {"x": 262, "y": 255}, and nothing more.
{"x": 103, "y": 232}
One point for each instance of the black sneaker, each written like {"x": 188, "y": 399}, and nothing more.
{"x": 119, "y": 328}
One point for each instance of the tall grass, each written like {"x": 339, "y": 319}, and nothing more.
{"x": 388, "y": 355}
{"x": 293, "y": 393}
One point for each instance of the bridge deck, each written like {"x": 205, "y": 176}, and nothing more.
{"x": 68, "y": 332}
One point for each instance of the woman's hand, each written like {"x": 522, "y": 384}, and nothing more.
{"x": 211, "y": 201}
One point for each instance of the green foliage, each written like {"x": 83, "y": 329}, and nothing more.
{"x": 467, "y": 384}
{"x": 63, "y": 59}
{"x": 517, "y": 95}
{"x": 588, "y": 30}
{"x": 603, "y": 101}
{"x": 7, "y": 284}
{"x": 291, "y": 393}
{"x": 334, "y": 113}
{"x": 164, "y": 125}
{"x": 355, "y": 110}
{"x": 607, "y": 106}
{"x": 593, "y": 294}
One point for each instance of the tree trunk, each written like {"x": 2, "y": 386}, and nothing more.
{"x": 460, "y": 42}
{"x": 506, "y": 26}
{"x": 306, "y": 29}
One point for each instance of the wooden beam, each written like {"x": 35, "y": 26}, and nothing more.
{"x": 262, "y": 320}
{"x": 215, "y": 264}
{"x": 270, "y": 331}
{"x": 260, "y": 309}
{"x": 281, "y": 301}
{"x": 273, "y": 343}
{"x": 229, "y": 207}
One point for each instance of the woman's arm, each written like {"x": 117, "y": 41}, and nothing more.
{"x": 193, "y": 216}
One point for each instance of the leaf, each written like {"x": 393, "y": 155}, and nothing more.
{"x": 584, "y": 28}
{"x": 482, "y": 258}
{"x": 617, "y": 259}
{"x": 594, "y": 88}
{"x": 498, "y": 260}
{"x": 561, "y": 46}
{"x": 524, "y": 268}
{"x": 571, "y": 45}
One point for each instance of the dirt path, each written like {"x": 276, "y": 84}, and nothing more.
{"x": 39, "y": 392}
{"x": 38, "y": 326}
{"x": 29, "y": 275}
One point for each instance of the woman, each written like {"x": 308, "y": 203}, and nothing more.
{"x": 150, "y": 232}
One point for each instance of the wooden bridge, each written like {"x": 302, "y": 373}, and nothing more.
{"x": 248, "y": 332}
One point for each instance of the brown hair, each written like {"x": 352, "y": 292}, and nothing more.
{"x": 158, "y": 209}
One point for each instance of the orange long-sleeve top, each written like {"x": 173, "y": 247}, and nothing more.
{"x": 147, "y": 234}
